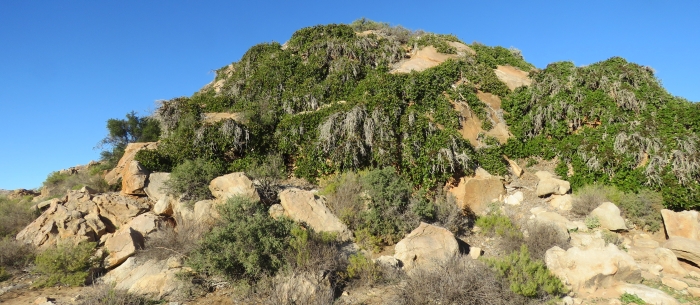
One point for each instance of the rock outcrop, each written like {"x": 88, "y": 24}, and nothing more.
{"x": 304, "y": 206}
{"x": 122, "y": 245}
{"x": 156, "y": 186}
{"x": 592, "y": 268}
{"x": 154, "y": 278}
{"x": 113, "y": 176}
{"x": 425, "y": 246}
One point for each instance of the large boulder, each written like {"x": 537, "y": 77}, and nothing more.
{"x": 669, "y": 261}
{"x": 562, "y": 202}
{"x": 685, "y": 248}
{"x": 682, "y": 224}
{"x": 541, "y": 216}
{"x": 134, "y": 178}
{"x": 609, "y": 216}
{"x": 113, "y": 176}
{"x": 647, "y": 294}
{"x": 592, "y": 268}
{"x": 156, "y": 186}
{"x": 475, "y": 193}
{"x": 121, "y": 246}
{"x": 426, "y": 246}
{"x": 146, "y": 223}
{"x": 304, "y": 206}
{"x": 206, "y": 211}
{"x": 515, "y": 169}
{"x": 153, "y": 278}
{"x": 551, "y": 184}
{"x": 235, "y": 184}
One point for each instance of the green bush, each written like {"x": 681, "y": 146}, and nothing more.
{"x": 125, "y": 131}
{"x": 66, "y": 264}
{"x": 587, "y": 199}
{"x": 15, "y": 254}
{"x": 499, "y": 225}
{"x": 190, "y": 180}
{"x": 15, "y": 214}
{"x": 4, "y": 275}
{"x": 269, "y": 173}
{"x": 592, "y": 222}
{"x": 642, "y": 208}
{"x": 627, "y": 298}
{"x": 247, "y": 245}
{"x": 57, "y": 183}
{"x": 387, "y": 215}
{"x": 527, "y": 277}
{"x": 362, "y": 268}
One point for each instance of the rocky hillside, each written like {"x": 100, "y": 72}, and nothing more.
{"x": 369, "y": 164}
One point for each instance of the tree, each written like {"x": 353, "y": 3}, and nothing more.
{"x": 124, "y": 131}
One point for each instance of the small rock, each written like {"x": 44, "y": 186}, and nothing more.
{"x": 515, "y": 199}
{"x": 562, "y": 202}
{"x": 475, "y": 252}
{"x": 567, "y": 300}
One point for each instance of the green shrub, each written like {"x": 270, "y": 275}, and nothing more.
{"x": 65, "y": 264}
{"x": 495, "y": 56}
{"x": 314, "y": 251}
{"x": 527, "y": 277}
{"x": 642, "y": 208}
{"x": 367, "y": 241}
{"x": 612, "y": 238}
{"x": 592, "y": 222}
{"x": 498, "y": 224}
{"x": 588, "y": 198}
{"x": 269, "y": 172}
{"x": 190, "y": 180}
{"x": 247, "y": 245}
{"x": 15, "y": 214}
{"x": 57, "y": 183}
{"x": 345, "y": 200}
{"x": 387, "y": 215}
{"x": 15, "y": 254}
{"x": 362, "y": 268}
{"x": 4, "y": 275}
{"x": 121, "y": 132}
{"x": 627, "y": 298}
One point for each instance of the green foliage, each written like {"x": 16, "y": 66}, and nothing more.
{"x": 66, "y": 264}
{"x": 247, "y": 245}
{"x": 388, "y": 200}
{"x": 527, "y": 277}
{"x": 440, "y": 42}
{"x": 500, "y": 56}
{"x": 4, "y": 275}
{"x": 614, "y": 124}
{"x": 592, "y": 222}
{"x": 627, "y": 298}
{"x": 361, "y": 267}
{"x": 269, "y": 173}
{"x": 190, "y": 180}
{"x": 124, "y": 131}
{"x": 642, "y": 208}
{"x": 58, "y": 183}
{"x": 498, "y": 224}
{"x": 15, "y": 214}
{"x": 612, "y": 238}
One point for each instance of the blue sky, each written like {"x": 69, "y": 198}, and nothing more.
{"x": 66, "y": 67}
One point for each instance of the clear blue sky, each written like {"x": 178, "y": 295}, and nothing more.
{"x": 68, "y": 66}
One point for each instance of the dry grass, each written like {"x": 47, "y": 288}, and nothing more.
{"x": 174, "y": 240}
{"x": 107, "y": 295}
{"x": 587, "y": 199}
{"x": 290, "y": 289}
{"x": 15, "y": 214}
{"x": 458, "y": 281}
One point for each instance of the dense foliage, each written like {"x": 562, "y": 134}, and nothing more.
{"x": 613, "y": 123}
{"x": 124, "y": 131}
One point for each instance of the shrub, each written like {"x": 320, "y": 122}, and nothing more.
{"x": 450, "y": 216}
{"x": 65, "y": 264}
{"x": 592, "y": 222}
{"x": 15, "y": 254}
{"x": 311, "y": 251}
{"x": 387, "y": 215}
{"x": 367, "y": 241}
{"x": 269, "y": 173}
{"x": 542, "y": 237}
{"x": 171, "y": 240}
{"x": 362, "y": 269}
{"x": 190, "y": 180}
{"x": 498, "y": 224}
{"x": 246, "y": 245}
{"x": 57, "y": 183}
{"x": 527, "y": 277}
{"x": 612, "y": 238}
{"x": 4, "y": 275}
{"x": 627, "y": 298}
{"x": 288, "y": 289}
{"x": 107, "y": 295}
{"x": 344, "y": 194}
{"x": 587, "y": 199}
{"x": 15, "y": 214}
{"x": 643, "y": 209}
{"x": 458, "y": 281}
